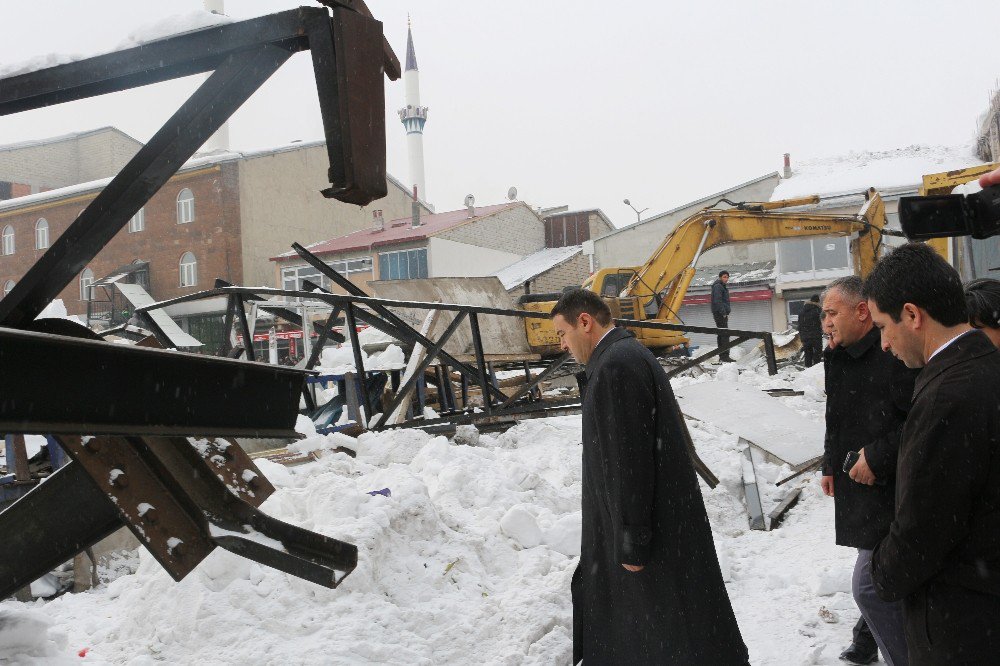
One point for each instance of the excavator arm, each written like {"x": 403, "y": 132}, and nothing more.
{"x": 666, "y": 275}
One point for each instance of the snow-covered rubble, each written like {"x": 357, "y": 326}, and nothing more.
{"x": 465, "y": 556}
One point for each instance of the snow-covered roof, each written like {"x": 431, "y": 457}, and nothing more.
{"x": 169, "y": 26}
{"x": 199, "y": 161}
{"x": 883, "y": 170}
{"x": 535, "y": 264}
{"x": 72, "y": 136}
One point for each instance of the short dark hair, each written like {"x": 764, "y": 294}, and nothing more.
{"x": 914, "y": 273}
{"x": 982, "y": 297}
{"x": 814, "y": 298}
{"x": 575, "y": 302}
{"x": 721, "y": 273}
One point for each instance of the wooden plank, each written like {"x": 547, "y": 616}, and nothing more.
{"x": 419, "y": 352}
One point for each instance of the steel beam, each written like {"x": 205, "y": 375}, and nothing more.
{"x": 138, "y": 390}
{"x": 236, "y": 79}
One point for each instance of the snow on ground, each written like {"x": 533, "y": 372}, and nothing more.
{"x": 466, "y": 559}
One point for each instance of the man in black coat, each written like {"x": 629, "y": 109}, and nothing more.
{"x": 867, "y": 398}
{"x": 648, "y": 589}
{"x": 721, "y": 310}
{"x": 811, "y": 330}
{"x": 942, "y": 553}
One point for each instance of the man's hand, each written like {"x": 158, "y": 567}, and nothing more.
{"x": 992, "y": 178}
{"x": 826, "y": 483}
{"x": 633, "y": 568}
{"x": 861, "y": 472}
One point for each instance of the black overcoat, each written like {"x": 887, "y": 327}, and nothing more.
{"x": 720, "y": 298}
{"x": 811, "y": 323}
{"x": 868, "y": 394}
{"x": 942, "y": 554}
{"x": 642, "y": 505}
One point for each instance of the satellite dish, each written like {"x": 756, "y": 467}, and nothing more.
{"x": 470, "y": 201}
{"x": 512, "y": 194}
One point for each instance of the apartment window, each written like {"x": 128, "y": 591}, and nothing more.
{"x": 813, "y": 258}
{"x": 41, "y": 234}
{"x": 185, "y": 206}
{"x": 138, "y": 221}
{"x": 189, "y": 270}
{"x": 402, "y": 265}
{"x": 292, "y": 277}
{"x": 86, "y": 279}
{"x": 8, "y": 287}
{"x": 7, "y": 238}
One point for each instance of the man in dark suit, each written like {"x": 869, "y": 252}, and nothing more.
{"x": 942, "y": 554}
{"x": 648, "y": 589}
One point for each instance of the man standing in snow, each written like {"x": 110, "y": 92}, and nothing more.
{"x": 941, "y": 557}
{"x": 867, "y": 398}
{"x": 721, "y": 310}
{"x": 648, "y": 589}
{"x": 811, "y": 330}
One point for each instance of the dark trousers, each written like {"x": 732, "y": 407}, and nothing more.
{"x": 722, "y": 321}
{"x": 884, "y": 618}
{"x": 813, "y": 350}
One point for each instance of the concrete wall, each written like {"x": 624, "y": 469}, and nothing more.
{"x": 516, "y": 229}
{"x": 632, "y": 245}
{"x": 280, "y": 203}
{"x": 447, "y": 258}
{"x": 79, "y": 159}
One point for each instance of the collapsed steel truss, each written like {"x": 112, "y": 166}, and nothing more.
{"x": 125, "y": 414}
{"x": 497, "y": 407}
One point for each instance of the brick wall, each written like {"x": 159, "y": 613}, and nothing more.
{"x": 517, "y": 229}
{"x": 570, "y": 273}
{"x": 213, "y": 236}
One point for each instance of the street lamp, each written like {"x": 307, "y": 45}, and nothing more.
{"x": 638, "y": 213}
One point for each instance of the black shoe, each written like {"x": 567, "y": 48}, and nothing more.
{"x": 857, "y": 654}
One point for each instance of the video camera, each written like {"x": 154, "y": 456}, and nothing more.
{"x": 976, "y": 215}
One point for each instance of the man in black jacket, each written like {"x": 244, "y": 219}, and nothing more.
{"x": 867, "y": 398}
{"x": 721, "y": 310}
{"x": 942, "y": 553}
{"x": 811, "y": 330}
{"x": 648, "y": 589}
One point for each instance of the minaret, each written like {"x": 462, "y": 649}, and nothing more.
{"x": 414, "y": 116}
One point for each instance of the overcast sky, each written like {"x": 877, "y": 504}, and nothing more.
{"x": 586, "y": 103}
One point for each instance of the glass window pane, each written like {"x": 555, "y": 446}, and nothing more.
{"x": 383, "y": 267}
{"x": 394, "y": 266}
{"x": 422, "y": 255}
{"x": 795, "y": 255}
{"x": 830, "y": 253}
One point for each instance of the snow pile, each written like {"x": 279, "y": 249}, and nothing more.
{"x": 535, "y": 264}
{"x": 340, "y": 360}
{"x": 465, "y": 556}
{"x": 25, "y": 638}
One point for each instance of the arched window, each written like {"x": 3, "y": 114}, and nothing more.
{"x": 7, "y": 287}
{"x": 7, "y": 240}
{"x": 138, "y": 221}
{"x": 185, "y": 206}
{"x": 189, "y": 270}
{"x": 41, "y": 234}
{"x": 86, "y": 279}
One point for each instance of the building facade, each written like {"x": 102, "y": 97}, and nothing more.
{"x": 221, "y": 216}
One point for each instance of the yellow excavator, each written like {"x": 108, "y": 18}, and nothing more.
{"x": 655, "y": 290}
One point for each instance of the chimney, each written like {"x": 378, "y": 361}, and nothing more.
{"x": 788, "y": 166}
{"x": 379, "y": 220}
{"x": 416, "y": 209}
